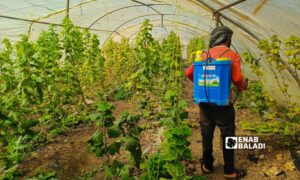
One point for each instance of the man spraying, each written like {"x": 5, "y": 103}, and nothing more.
{"x": 222, "y": 116}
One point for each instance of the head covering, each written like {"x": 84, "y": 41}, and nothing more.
{"x": 219, "y": 35}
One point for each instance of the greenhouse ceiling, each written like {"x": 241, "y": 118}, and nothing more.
{"x": 255, "y": 19}
{"x": 251, "y": 20}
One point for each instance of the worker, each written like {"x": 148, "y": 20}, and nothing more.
{"x": 222, "y": 116}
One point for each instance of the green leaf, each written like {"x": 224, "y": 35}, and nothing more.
{"x": 114, "y": 132}
{"x": 187, "y": 154}
{"x": 96, "y": 143}
{"x": 94, "y": 117}
{"x": 28, "y": 124}
{"x": 114, "y": 148}
{"x": 131, "y": 144}
{"x": 175, "y": 169}
{"x": 125, "y": 173}
{"x": 134, "y": 147}
{"x": 46, "y": 176}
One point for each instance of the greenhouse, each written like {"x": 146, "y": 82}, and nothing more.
{"x": 134, "y": 89}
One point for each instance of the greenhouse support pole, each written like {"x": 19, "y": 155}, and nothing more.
{"x": 217, "y": 19}
{"x": 248, "y": 31}
{"x": 68, "y": 7}
{"x": 238, "y": 24}
{"x": 216, "y": 13}
{"x": 228, "y": 6}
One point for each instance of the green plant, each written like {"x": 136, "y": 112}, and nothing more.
{"x": 255, "y": 98}
{"x": 122, "y": 93}
{"x": 44, "y": 176}
{"x": 292, "y": 45}
{"x": 118, "y": 57}
{"x": 174, "y": 148}
{"x": 146, "y": 106}
{"x": 271, "y": 49}
{"x": 277, "y": 118}
{"x": 9, "y": 173}
{"x": 194, "y": 45}
{"x": 124, "y": 131}
{"x": 253, "y": 63}
{"x": 89, "y": 175}
{"x": 91, "y": 70}
{"x": 153, "y": 168}
{"x": 117, "y": 169}
{"x": 146, "y": 53}
{"x": 42, "y": 86}
{"x": 99, "y": 141}
{"x": 171, "y": 65}
{"x": 7, "y": 79}
{"x": 127, "y": 122}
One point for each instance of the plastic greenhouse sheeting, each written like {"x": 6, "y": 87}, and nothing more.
{"x": 251, "y": 21}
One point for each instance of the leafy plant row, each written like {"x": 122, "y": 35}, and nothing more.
{"x": 153, "y": 80}
{"x": 45, "y": 87}
{"x": 63, "y": 78}
{"x": 277, "y": 119}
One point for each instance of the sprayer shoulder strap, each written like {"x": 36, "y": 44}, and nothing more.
{"x": 208, "y": 55}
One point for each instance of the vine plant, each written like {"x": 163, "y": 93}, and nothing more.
{"x": 168, "y": 163}
{"x": 146, "y": 53}
{"x": 172, "y": 62}
{"x": 115, "y": 134}
{"x": 43, "y": 83}
{"x": 118, "y": 57}
{"x": 282, "y": 119}
{"x": 194, "y": 45}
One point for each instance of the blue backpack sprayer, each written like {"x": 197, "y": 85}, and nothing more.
{"x": 212, "y": 81}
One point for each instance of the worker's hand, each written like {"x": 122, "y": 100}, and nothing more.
{"x": 244, "y": 86}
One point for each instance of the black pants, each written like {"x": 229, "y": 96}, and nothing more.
{"x": 224, "y": 118}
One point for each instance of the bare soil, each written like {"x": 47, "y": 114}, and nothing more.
{"x": 70, "y": 157}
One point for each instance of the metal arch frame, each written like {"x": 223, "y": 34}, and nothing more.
{"x": 239, "y": 25}
{"x": 126, "y": 7}
{"x": 156, "y": 20}
{"x": 122, "y": 8}
{"x": 47, "y": 23}
{"x": 167, "y": 29}
{"x": 146, "y": 15}
{"x": 147, "y": 5}
{"x": 162, "y": 27}
{"x": 169, "y": 20}
{"x": 135, "y": 18}
{"x": 246, "y": 30}
{"x": 217, "y": 14}
{"x": 181, "y": 30}
{"x": 139, "y": 5}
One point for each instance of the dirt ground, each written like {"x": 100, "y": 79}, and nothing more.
{"x": 261, "y": 164}
{"x": 69, "y": 156}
